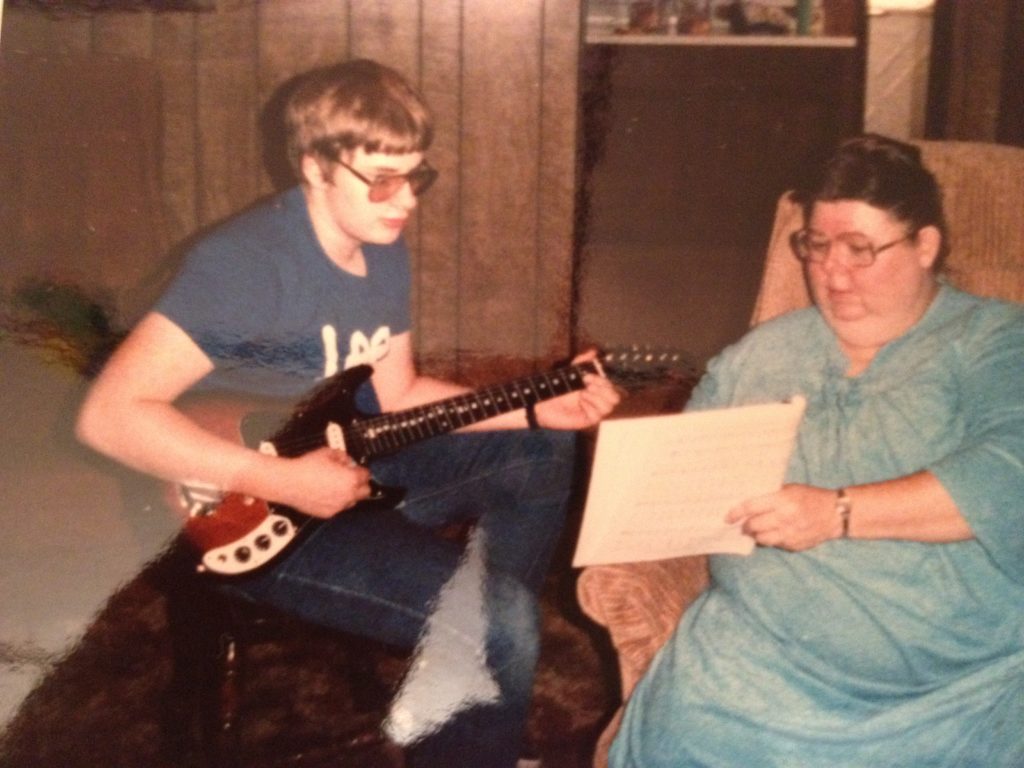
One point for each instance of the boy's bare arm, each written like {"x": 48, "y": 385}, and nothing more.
{"x": 129, "y": 415}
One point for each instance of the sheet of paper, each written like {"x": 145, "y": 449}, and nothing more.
{"x": 661, "y": 485}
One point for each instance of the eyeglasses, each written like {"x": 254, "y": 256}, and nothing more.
{"x": 855, "y": 250}
{"x": 385, "y": 187}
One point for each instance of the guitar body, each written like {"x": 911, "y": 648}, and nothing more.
{"x": 237, "y": 534}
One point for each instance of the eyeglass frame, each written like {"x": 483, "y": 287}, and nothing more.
{"x": 795, "y": 238}
{"x": 419, "y": 179}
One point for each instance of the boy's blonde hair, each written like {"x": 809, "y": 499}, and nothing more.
{"x": 355, "y": 104}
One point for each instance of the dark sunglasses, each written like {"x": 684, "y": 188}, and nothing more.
{"x": 385, "y": 187}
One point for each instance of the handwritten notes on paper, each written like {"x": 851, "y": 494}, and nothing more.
{"x": 662, "y": 485}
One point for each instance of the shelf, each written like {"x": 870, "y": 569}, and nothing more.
{"x": 774, "y": 41}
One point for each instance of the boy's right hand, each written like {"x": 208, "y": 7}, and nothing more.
{"x": 323, "y": 483}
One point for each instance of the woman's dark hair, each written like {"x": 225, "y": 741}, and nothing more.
{"x": 886, "y": 174}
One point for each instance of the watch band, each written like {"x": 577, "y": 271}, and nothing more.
{"x": 844, "y": 506}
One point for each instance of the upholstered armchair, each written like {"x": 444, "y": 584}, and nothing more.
{"x": 640, "y": 603}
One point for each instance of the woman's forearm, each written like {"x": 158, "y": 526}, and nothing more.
{"x": 914, "y": 508}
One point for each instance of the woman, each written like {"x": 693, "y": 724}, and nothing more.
{"x": 880, "y": 621}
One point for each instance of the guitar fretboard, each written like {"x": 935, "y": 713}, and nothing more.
{"x": 381, "y": 435}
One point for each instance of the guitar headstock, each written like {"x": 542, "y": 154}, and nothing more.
{"x": 639, "y": 365}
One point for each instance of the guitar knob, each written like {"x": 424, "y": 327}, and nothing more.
{"x": 242, "y": 554}
{"x": 280, "y": 528}
{"x": 262, "y": 542}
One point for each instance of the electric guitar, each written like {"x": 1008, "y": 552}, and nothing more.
{"x": 236, "y": 534}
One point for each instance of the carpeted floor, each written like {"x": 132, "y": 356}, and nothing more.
{"x": 102, "y": 706}
{"x": 107, "y": 703}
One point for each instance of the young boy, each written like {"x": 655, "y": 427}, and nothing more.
{"x": 311, "y": 282}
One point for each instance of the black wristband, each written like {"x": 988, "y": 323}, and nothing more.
{"x": 531, "y": 416}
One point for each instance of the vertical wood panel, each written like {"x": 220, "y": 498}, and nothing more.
{"x": 125, "y": 241}
{"x": 296, "y": 36}
{"x": 293, "y": 37}
{"x": 27, "y": 31}
{"x": 968, "y": 44}
{"x": 978, "y": 80}
{"x": 229, "y": 157}
{"x": 174, "y": 48}
{"x": 500, "y": 148}
{"x": 123, "y": 34}
{"x": 557, "y": 179}
{"x": 436, "y": 301}
{"x": 1010, "y": 124}
{"x": 44, "y": 189}
{"x": 388, "y": 32}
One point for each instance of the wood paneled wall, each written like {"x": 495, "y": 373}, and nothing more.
{"x": 977, "y": 72}
{"x": 492, "y": 240}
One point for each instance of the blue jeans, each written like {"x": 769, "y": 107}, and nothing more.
{"x": 376, "y": 573}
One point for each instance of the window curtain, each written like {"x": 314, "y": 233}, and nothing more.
{"x": 976, "y": 86}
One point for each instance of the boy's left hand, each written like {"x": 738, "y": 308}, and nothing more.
{"x": 581, "y": 409}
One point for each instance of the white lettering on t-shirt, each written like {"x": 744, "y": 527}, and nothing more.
{"x": 329, "y": 335}
{"x": 367, "y": 351}
{"x": 362, "y": 350}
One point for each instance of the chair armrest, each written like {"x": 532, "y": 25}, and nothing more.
{"x": 640, "y": 605}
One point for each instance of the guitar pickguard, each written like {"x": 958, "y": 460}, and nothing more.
{"x": 255, "y": 549}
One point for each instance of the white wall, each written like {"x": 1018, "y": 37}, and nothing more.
{"x": 899, "y": 45}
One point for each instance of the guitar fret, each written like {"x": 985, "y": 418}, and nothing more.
{"x": 419, "y": 425}
{"x": 502, "y": 397}
{"x": 487, "y": 402}
{"x": 461, "y": 409}
{"x": 443, "y": 420}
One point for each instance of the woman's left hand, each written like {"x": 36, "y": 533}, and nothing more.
{"x": 583, "y": 408}
{"x": 797, "y": 517}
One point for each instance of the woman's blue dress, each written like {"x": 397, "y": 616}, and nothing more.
{"x": 859, "y": 653}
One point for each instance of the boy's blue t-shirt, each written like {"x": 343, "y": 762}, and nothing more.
{"x": 262, "y": 300}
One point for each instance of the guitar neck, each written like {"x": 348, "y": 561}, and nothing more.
{"x": 370, "y": 437}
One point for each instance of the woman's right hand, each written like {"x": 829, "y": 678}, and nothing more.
{"x": 323, "y": 483}
{"x": 795, "y": 518}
